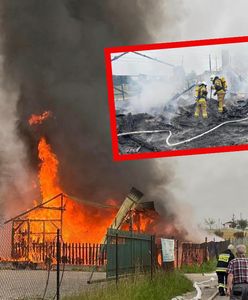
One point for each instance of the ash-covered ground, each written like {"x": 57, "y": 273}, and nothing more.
{"x": 183, "y": 126}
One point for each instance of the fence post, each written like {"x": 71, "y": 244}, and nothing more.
{"x": 177, "y": 245}
{"x": 216, "y": 250}
{"x": 58, "y": 254}
{"x": 206, "y": 249}
{"x": 151, "y": 251}
{"x": 116, "y": 259}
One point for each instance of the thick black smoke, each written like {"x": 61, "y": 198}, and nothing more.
{"x": 53, "y": 51}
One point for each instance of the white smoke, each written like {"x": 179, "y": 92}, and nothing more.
{"x": 16, "y": 178}
{"x": 214, "y": 185}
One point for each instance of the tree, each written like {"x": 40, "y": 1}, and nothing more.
{"x": 210, "y": 222}
{"x": 234, "y": 222}
{"x": 233, "y": 225}
{"x": 242, "y": 223}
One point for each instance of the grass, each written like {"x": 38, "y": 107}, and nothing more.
{"x": 206, "y": 267}
{"x": 163, "y": 286}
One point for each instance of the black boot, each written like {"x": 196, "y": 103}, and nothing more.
{"x": 222, "y": 291}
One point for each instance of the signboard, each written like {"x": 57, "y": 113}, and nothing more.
{"x": 168, "y": 247}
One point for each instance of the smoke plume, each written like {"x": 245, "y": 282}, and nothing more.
{"x": 53, "y": 53}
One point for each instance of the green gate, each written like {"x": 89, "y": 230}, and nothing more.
{"x": 129, "y": 252}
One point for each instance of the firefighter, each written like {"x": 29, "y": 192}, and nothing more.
{"x": 220, "y": 87}
{"x": 200, "y": 97}
{"x": 221, "y": 269}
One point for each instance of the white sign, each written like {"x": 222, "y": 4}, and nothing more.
{"x": 168, "y": 250}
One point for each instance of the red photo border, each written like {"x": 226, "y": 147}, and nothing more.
{"x": 110, "y": 86}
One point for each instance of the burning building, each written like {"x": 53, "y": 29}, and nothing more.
{"x": 65, "y": 147}
{"x": 74, "y": 218}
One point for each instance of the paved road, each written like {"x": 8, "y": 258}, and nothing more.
{"x": 30, "y": 284}
{"x": 221, "y": 298}
{"x": 209, "y": 289}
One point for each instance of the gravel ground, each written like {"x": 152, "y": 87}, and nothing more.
{"x": 30, "y": 284}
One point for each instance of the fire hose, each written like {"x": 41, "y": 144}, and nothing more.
{"x": 197, "y": 285}
{"x": 184, "y": 141}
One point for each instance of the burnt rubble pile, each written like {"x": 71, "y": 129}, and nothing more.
{"x": 183, "y": 125}
{"x": 185, "y": 114}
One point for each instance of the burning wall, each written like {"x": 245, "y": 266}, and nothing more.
{"x": 53, "y": 58}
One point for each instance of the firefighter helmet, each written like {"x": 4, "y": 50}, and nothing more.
{"x": 202, "y": 83}
{"x": 230, "y": 247}
{"x": 212, "y": 77}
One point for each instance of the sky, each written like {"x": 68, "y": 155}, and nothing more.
{"x": 191, "y": 58}
{"x": 213, "y": 185}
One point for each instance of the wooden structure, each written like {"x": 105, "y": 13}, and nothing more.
{"x": 71, "y": 253}
{"x": 34, "y": 231}
{"x": 40, "y": 229}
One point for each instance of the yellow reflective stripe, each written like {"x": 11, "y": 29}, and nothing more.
{"x": 224, "y": 257}
{"x": 221, "y": 285}
{"x": 221, "y": 269}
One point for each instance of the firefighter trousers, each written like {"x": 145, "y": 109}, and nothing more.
{"x": 220, "y": 96}
{"x": 201, "y": 106}
{"x": 222, "y": 281}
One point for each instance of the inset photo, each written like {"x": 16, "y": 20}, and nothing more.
{"x": 178, "y": 98}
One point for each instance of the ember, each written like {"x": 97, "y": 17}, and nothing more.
{"x": 38, "y": 119}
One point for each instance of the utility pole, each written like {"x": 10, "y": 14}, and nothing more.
{"x": 210, "y": 64}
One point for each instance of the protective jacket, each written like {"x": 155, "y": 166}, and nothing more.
{"x": 201, "y": 92}
{"x": 220, "y": 85}
{"x": 223, "y": 260}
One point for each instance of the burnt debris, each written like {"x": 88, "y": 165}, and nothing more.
{"x": 183, "y": 125}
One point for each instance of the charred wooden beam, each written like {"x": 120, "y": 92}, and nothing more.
{"x": 34, "y": 208}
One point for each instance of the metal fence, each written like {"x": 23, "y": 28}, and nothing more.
{"x": 199, "y": 253}
{"x": 61, "y": 269}
{"x": 129, "y": 252}
{"x": 58, "y": 268}
{"x": 22, "y": 279}
{"x": 187, "y": 253}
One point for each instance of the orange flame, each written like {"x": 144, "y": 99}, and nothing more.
{"x": 38, "y": 119}
{"x": 81, "y": 223}
{"x": 48, "y": 170}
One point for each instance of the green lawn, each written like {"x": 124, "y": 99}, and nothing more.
{"x": 163, "y": 286}
{"x": 206, "y": 267}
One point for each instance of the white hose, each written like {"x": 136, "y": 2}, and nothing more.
{"x": 202, "y": 134}
{"x": 198, "y": 290}
{"x": 187, "y": 140}
{"x": 139, "y": 132}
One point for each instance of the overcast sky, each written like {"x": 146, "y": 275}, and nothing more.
{"x": 192, "y": 58}
{"x": 215, "y": 185}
